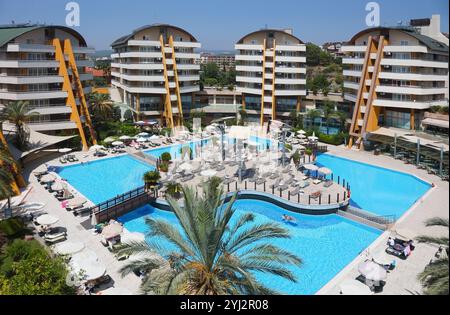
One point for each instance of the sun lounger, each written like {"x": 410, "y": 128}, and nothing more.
{"x": 317, "y": 181}
{"x": 62, "y": 160}
{"x": 54, "y": 238}
{"x": 328, "y": 183}
{"x": 289, "y": 181}
{"x": 274, "y": 176}
{"x": 303, "y": 184}
{"x": 276, "y": 184}
{"x": 295, "y": 192}
{"x": 316, "y": 195}
{"x": 82, "y": 211}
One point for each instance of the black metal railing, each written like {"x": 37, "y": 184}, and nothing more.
{"x": 382, "y": 220}
{"x": 118, "y": 200}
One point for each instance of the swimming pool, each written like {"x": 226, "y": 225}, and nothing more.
{"x": 105, "y": 179}
{"x": 375, "y": 189}
{"x": 326, "y": 244}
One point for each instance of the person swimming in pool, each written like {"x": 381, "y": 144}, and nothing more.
{"x": 289, "y": 219}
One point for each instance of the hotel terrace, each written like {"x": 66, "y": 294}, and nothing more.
{"x": 155, "y": 72}
{"x": 271, "y": 73}
{"x": 394, "y": 75}
{"x": 44, "y": 65}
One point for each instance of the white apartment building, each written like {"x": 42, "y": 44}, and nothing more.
{"x": 154, "y": 70}
{"x": 271, "y": 73}
{"x": 44, "y": 65}
{"x": 394, "y": 75}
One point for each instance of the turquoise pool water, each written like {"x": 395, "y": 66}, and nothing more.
{"x": 174, "y": 150}
{"x": 326, "y": 244}
{"x": 375, "y": 189}
{"x": 105, "y": 179}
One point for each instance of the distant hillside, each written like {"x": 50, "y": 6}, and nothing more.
{"x": 102, "y": 53}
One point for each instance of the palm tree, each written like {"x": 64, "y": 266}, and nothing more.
{"x": 214, "y": 255}
{"x": 6, "y": 174}
{"x": 435, "y": 276}
{"x": 18, "y": 113}
{"x": 100, "y": 105}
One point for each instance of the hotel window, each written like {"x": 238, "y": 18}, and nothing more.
{"x": 150, "y": 103}
{"x": 397, "y": 119}
{"x": 404, "y": 43}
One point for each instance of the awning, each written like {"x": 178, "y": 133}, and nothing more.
{"x": 37, "y": 141}
{"x": 436, "y": 123}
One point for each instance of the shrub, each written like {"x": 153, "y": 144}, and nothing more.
{"x": 151, "y": 178}
{"x": 27, "y": 269}
{"x": 174, "y": 190}
{"x": 166, "y": 157}
{"x": 11, "y": 226}
{"x": 128, "y": 130}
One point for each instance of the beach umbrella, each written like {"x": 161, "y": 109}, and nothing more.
{"x": 76, "y": 202}
{"x": 209, "y": 173}
{"x": 112, "y": 230}
{"x": 115, "y": 291}
{"x": 143, "y": 134}
{"x": 117, "y": 143}
{"x": 96, "y": 147}
{"x": 301, "y": 132}
{"x": 325, "y": 171}
{"x": 68, "y": 248}
{"x": 141, "y": 140}
{"x": 46, "y": 219}
{"x": 57, "y": 186}
{"x": 88, "y": 269}
{"x": 130, "y": 237}
{"x": 93, "y": 220}
{"x": 382, "y": 258}
{"x": 140, "y": 123}
{"x": 311, "y": 167}
{"x": 109, "y": 139}
{"x": 154, "y": 137}
{"x": 125, "y": 138}
{"x": 372, "y": 271}
{"x": 354, "y": 287}
{"x": 48, "y": 178}
{"x": 65, "y": 150}
{"x": 301, "y": 136}
{"x": 313, "y": 137}
{"x": 185, "y": 167}
{"x": 85, "y": 255}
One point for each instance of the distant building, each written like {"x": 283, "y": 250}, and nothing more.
{"x": 394, "y": 75}
{"x": 224, "y": 61}
{"x": 270, "y": 73}
{"x": 45, "y": 66}
{"x": 334, "y": 48}
{"x": 154, "y": 70}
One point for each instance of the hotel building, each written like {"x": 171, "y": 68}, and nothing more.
{"x": 45, "y": 66}
{"x": 394, "y": 75}
{"x": 271, "y": 73}
{"x": 154, "y": 70}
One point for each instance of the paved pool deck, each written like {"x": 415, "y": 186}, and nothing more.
{"x": 402, "y": 280}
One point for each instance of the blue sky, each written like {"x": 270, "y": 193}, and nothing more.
{"x": 218, "y": 24}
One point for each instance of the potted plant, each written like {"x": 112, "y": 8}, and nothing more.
{"x": 296, "y": 157}
{"x": 164, "y": 167}
{"x": 166, "y": 157}
{"x": 151, "y": 179}
{"x": 174, "y": 190}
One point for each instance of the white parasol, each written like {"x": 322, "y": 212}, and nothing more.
{"x": 325, "y": 171}
{"x": 65, "y": 150}
{"x": 48, "y": 178}
{"x": 125, "y": 138}
{"x": 141, "y": 140}
{"x": 209, "y": 173}
{"x": 46, "y": 219}
{"x": 112, "y": 230}
{"x": 372, "y": 271}
{"x": 117, "y": 143}
{"x": 143, "y": 134}
{"x": 311, "y": 167}
{"x": 301, "y": 132}
{"x": 68, "y": 248}
{"x": 354, "y": 287}
{"x": 58, "y": 186}
{"x": 186, "y": 167}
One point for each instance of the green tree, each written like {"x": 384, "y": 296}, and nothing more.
{"x": 434, "y": 278}
{"x": 214, "y": 256}
{"x": 100, "y": 105}
{"x": 18, "y": 113}
{"x": 6, "y": 175}
{"x": 32, "y": 271}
